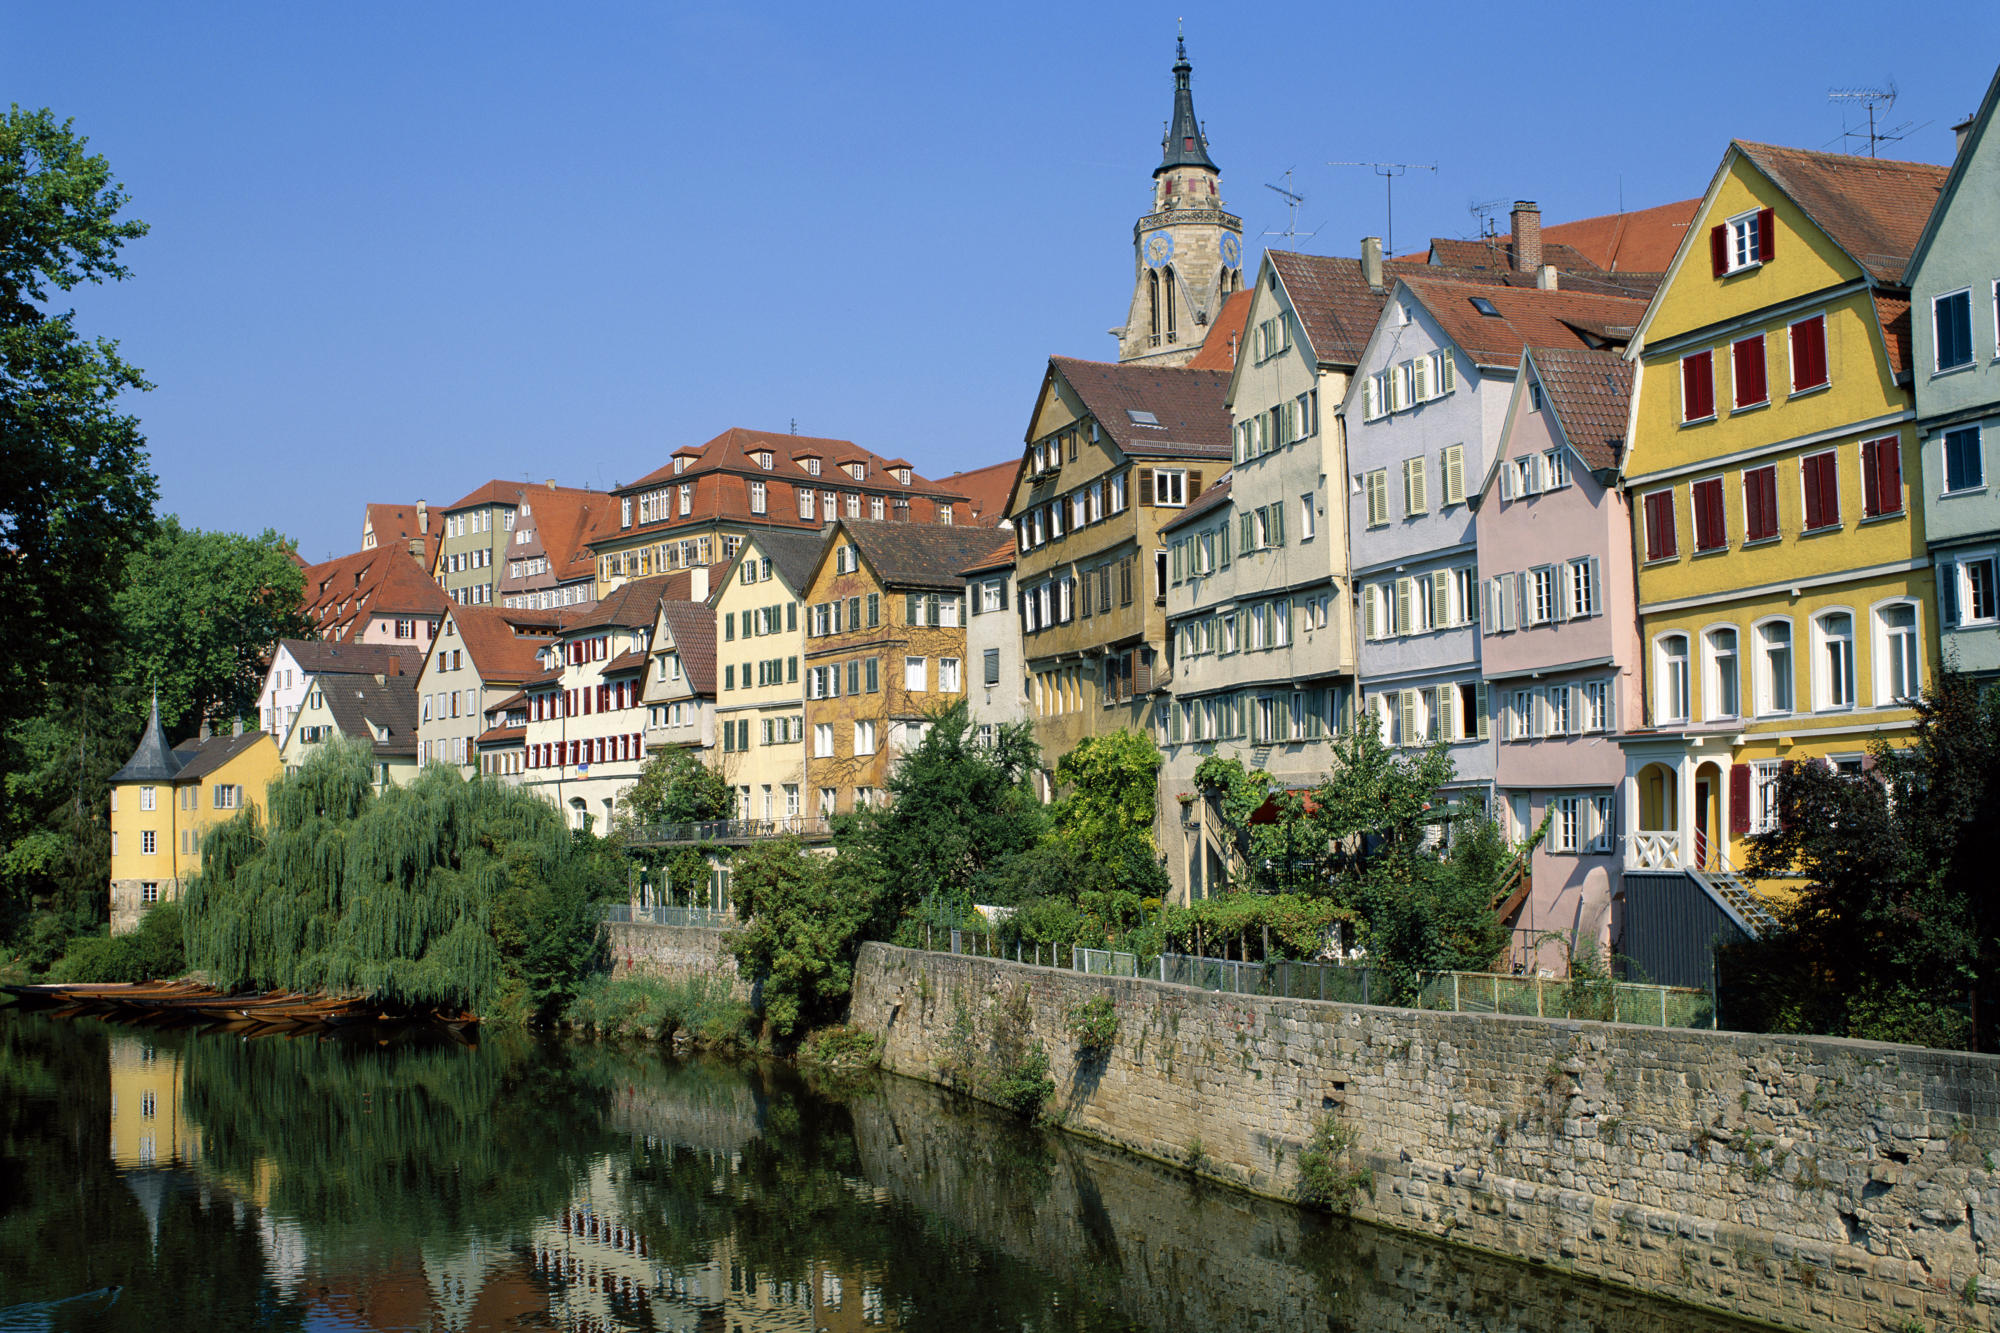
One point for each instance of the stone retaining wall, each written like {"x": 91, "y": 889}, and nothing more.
{"x": 1811, "y": 1182}
{"x": 676, "y": 953}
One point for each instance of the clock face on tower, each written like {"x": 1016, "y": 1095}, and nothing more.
{"x": 1159, "y": 249}
{"x": 1232, "y": 252}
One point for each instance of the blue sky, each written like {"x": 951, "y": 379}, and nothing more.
{"x": 398, "y": 250}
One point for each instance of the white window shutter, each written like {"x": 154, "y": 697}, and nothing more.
{"x": 1596, "y": 589}
{"x": 1440, "y": 599}
{"x": 1486, "y": 616}
{"x": 1403, "y": 608}
{"x": 1448, "y": 371}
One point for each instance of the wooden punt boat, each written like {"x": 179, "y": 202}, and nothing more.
{"x": 168, "y": 1002}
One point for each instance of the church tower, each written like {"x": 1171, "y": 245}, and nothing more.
{"x": 1187, "y": 252}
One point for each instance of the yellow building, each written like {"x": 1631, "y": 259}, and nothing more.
{"x": 148, "y": 1126}
{"x": 164, "y": 800}
{"x": 1785, "y": 598}
{"x": 760, "y": 643}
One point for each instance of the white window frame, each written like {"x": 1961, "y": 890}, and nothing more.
{"x": 1742, "y": 240}
{"x": 1672, "y": 688}
{"x": 864, "y": 736}
{"x": 1764, "y": 794}
{"x": 916, "y": 672}
{"x": 1712, "y": 667}
{"x": 1566, "y": 824}
{"x": 1826, "y": 699}
{"x": 1885, "y": 655}
{"x": 1763, "y": 678}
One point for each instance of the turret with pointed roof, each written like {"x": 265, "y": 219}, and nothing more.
{"x": 154, "y": 760}
{"x": 1184, "y": 145}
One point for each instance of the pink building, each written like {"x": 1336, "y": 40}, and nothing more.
{"x": 1560, "y": 649}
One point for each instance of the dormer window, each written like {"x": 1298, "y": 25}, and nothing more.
{"x": 903, "y": 475}
{"x": 763, "y": 457}
{"x": 680, "y": 466}
{"x": 811, "y": 465}
{"x": 858, "y": 471}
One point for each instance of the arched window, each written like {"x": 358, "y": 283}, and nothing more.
{"x": 1898, "y": 676}
{"x": 1153, "y": 302}
{"x": 1670, "y": 678}
{"x": 1721, "y": 689}
{"x": 1173, "y": 320}
{"x": 1833, "y": 669}
{"x": 1774, "y": 667}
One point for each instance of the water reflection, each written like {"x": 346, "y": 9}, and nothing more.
{"x": 412, "y": 1182}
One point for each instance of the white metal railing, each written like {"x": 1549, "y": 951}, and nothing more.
{"x": 669, "y": 916}
{"x": 1655, "y": 850}
{"x": 1106, "y": 963}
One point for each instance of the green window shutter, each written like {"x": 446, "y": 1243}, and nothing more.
{"x": 1440, "y": 598}
{"x": 1222, "y": 541}
{"x": 874, "y": 675}
{"x": 1278, "y": 524}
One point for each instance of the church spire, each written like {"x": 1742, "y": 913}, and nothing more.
{"x": 1185, "y": 145}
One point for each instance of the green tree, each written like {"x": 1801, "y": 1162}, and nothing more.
{"x": 76, "y": 489}
{"x": 1110, "y": 795}
{"x": 199, "y": 611}
{"x": 803, "y": 922}
{"x": 55, "y": 834}
{"x": 675, "y": 788}
{"x": 443, "y": 893}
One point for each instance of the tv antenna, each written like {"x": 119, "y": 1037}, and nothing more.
{"x": 1483, "y": 212}
{"x": 1388, "y": 171}
{"x": 1292, "y": 202}
{"x": 1873, "y": 99}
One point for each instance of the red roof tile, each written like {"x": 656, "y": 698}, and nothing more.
{"x": 692, "y": 625}
{"x": 501, "y": 735}
{"x": 1218, "y": 349}
{"x": 396, "y": 524}
{"x": 1211, "y": 498}
{"x": 1892, "y": 315}
{"x": 1000, "y": 557}
{"x": 1526, "y": 316}
{"x": 1591, "y": 393}
{"x": 381, "y": 581}
{"x": 1188, "y": 405}
{"x": 1873, "y": 208}
{"x": 493, "y": 637}
{"x": 988, "y": 489}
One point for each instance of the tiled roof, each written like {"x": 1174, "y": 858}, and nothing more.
{"x": 500, "y": 735}
{"x": 1188, "y": 404}
{"x": 1892, "y": 313}
{"x": 792, "y": 554}
{"x": 1335, "y": 305}
{"x": 693, "y": 626}
{"x": 909, "y": 555}
{"x": 547, "y": 677}
{"x": 1873, "y": 208}
{"x": 153, "y": 760}
{"x": 629, "y": 660}
{"x": 988, "y": 489}
{"x": 493, "y": 637}
{"x": 1000, "y": 557}
{"x": 360, "y": 704}
{"x": 563, "y": 522}
{"x": 396, "y": 524}
{"x": 1225, "y": 335}
{"x": 382, "y": 581}
{"x": 1640, "y": 242}
{"x": 633, "y": 604}
{"x": 202, "y": 757}
{"x": 1528, "y": 317}
{"x": 502, "y": 492}
{"x": 518, "y": 699}
{"x": 1211, "y": 498}
{"x": 1591, "y": 393}
{"x": 368, "y": 659}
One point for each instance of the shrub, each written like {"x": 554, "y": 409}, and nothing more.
{"x": 153, "y": 952}
{"x": 634, "y": 1006}
{"x": 1022, "y": 1084}
{"x": 840, "y": 1050}
{"x": 1094, "y": 1024}
{"x": 1328, "y": 1177}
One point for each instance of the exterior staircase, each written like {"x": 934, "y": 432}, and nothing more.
{"x": 1733, "y": 894}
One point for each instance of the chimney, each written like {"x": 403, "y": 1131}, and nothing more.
{"x": 1962, "y": 131}
{"x": 417, "y": 547}
{"x": 1371, "y": 262}
{"x": 1527, "y": 235}
{"x": 698, "y": 584}
{"x": 236, "y": 727}
{"x": 551, "y": 483}
{"x": 423, "y": 517}
{"x": 204, "y": 733}
{"x": 1545, "y": 277}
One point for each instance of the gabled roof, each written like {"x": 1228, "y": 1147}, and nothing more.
{"x": 632, "y": 605}
{"x": 1873, "y": 208}
{"x": 693, "y": 626}
{"x": 397, "y": 524}
{"x": 1526, "y": 316}
{"x": 381, "y": 581}
{"x": 1336, "y": 307}
{"x": 199, "y": 758}
{"x": 1000, "y": 557}
{"x": 1640, "y": 244}
{"x": 361, "y": 704}
{"x": 986, "y": 489}
{"x": 1892, "y": 316}
{"x": 315, "y": 656}
{"x": 502, "y": 643}
{"x": 1974, "y": 133}
{"x": 1590, "y": 391}
{"x": 1225, "y": 336}
{"x": 1211, "y": 498}
{"x": 911, "y": 555}
{"x": 153, "y": 760}
{"x": 1189, "y": 406}
{"x": 736, "y": 447}
{"x": 794, "y": 555}
{"x": 502, "y": 492}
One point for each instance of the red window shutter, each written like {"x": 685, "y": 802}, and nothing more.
{"x": 1829, "y": 490}
{"x": 1711, "y": 504}
{"x": 1698, "y": 386}
{"x": 1809, "y": 486}
{"x": 1718, "y": 248}
{"x": 1871, "y": 489}
{"x": 1753, "y": 507}
{"x": 1809, "y": 353}
{"x": 1739, "y": 800}
{"x": 1660, "y": 525}
{"x": 1784, "y": 801}
{"x": 1889, "y": 486}
{"x": 1748, "y": 357}
{"x": 1767, "y": 233}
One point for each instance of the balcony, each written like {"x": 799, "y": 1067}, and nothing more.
{"x": 733, "y": 832}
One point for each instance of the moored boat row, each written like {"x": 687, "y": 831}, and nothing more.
{"x": 194, "y": 1001}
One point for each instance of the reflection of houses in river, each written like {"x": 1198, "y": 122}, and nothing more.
{"x": 148, "y": 1128}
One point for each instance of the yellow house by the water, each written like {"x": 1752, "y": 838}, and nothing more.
{"x": 164, "y": 800}
{"x": 1785, "y": 598}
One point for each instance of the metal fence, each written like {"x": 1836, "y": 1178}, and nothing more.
{"x": 734, "y": 830}
{"x": 1106, "y": 963}
{"x": 1281, "y": 977}
{"x": 669, "y": 916}
{"x": 1551, "y": 997}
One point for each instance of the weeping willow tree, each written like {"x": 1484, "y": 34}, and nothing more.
{"x": 443, "y": 893}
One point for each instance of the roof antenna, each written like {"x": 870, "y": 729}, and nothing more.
{"x": 1292, "y": 202}
{"x": 1883, "y": 97}
{"x": 795, "y": 425}
{"x": 1388, "y": 171}
{"x": 1483, "y": 211}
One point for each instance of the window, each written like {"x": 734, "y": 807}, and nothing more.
{"x": 806, "y": 504}
{"x": 1451, "y": 471}
{"x": 1746, "y": 357}
{"x": 1565, "y": 823}
{"x": 853, "y": 504}
{"x": 148, "y": 842}
{"x": 1819, "y": 481}
{"x": 1660, "y": 526}
{"x": 1521, "y": 715}
{"x": 948, "y": 681}
{"x": 1744, "y": 241}
{"x": 1966, "y": 591}
{"x": 1596, "y": 705}
{"x": 1583, "y": 587}
{"x": 148, "y": 797}
{"x": 1764, "y": 794}
{"x": 1964, "y": 465}
{"x": 1833, "y": 683}
{"x": 1170, "y": 488}
{"x": 1897, "y": 677}
{"x": 1376, "y": 484}
{"x": 1760, "y": 503}
{"x": 1809, "y": 354}
{"x": 1561, "y": 710}
{"x": 1671, "y": 678}
{"x": 1774, "y": 667}
{"x": 757, "y": 497}
{"x": 1721, "y": 681}
{"x": 1306, "y": 518}
{"x": 1603, "y": 824}
{"x": 228, "y": 797}
{"x": 1555, "y": 470}
{"x": 1415, "y": 498}
{"x": 1882, "y": 477}
{"x": 1951, "y": 318}
{"x": 864, "y": 738}
{"x": 823, "y": 740}
{"x": 875, "y": 509}
{"x": 913, "y": 673}
{"x": 1542, "y": 595}
{"x": 1710, "y": 530}
{"x": 1698, "y": 386}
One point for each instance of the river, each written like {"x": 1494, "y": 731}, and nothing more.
{"x": 156, "y": 1180}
